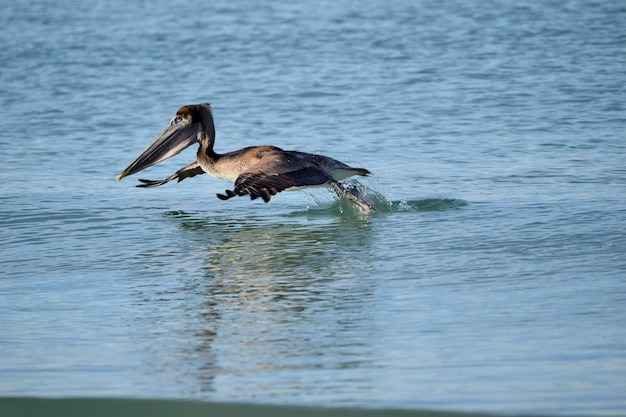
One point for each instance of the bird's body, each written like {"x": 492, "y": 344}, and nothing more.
{"x": 257, "y": 171}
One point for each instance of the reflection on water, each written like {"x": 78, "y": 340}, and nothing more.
{"x": 264, "y": 298}
{"x": 255, "y": 248}
{"x": 278, "y": 295}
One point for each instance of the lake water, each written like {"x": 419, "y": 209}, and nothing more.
{"x": 491, "y": 279}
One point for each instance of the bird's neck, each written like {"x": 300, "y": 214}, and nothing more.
{"x": 206, "y": 153}
{"x": 206, "y": 137}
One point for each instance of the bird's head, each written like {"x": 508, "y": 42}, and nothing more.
{"x": 190, "y": 125}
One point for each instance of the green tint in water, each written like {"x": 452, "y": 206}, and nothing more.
{"x": 31, "y": 407}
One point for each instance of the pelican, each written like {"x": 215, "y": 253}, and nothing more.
{"x": 257, "y": 171}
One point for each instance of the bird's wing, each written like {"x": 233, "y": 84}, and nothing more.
{"x": 275, "y": 172}
{"x": 190, "y": 170}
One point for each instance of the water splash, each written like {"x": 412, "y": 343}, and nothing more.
{"x": 346, "y": 208}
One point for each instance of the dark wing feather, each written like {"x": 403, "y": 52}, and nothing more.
{"x": 260, "y": 184}
{"x": 190, "y": 170}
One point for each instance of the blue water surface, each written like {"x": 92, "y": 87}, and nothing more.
{"x": 492, "y": 277}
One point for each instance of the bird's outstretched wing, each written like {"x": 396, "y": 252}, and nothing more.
{"x": 275, "y": 172}
{"x": 190, "y": 170}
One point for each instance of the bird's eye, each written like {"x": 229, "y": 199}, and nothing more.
{"x": 176, "y": 120}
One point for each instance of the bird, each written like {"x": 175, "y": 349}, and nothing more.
{"x": 256, "y": 171}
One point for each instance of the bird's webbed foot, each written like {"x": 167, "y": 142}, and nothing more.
{"x": 353, "y": 194}
{"x": 229, "y": 194}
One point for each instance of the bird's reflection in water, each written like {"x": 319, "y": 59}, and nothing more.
{"x": 283, "y": 298}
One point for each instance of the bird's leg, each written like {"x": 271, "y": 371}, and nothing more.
{"x": 352, "y": 194}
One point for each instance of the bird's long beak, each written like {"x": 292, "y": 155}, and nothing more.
{"x": 171, "y": 141}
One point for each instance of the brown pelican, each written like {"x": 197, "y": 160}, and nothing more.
{"x": 257, "y": 171}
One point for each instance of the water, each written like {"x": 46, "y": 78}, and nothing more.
{"x": 491, "y": 279}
